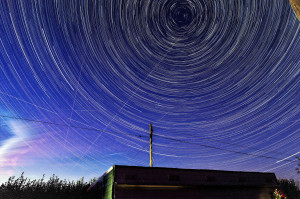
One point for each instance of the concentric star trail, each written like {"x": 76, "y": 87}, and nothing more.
{"x": 218, "y": 80}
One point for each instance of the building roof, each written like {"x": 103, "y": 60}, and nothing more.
{"x": 157, "y": 176}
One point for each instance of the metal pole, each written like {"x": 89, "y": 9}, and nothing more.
{"x": 151, "y": 160}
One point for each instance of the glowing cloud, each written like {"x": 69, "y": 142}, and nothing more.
{"x": 13, "y": 147}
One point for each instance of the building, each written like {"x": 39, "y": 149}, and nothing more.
{"x": 130, "y": 182}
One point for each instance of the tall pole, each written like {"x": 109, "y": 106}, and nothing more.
{"x": 151, "y": 160}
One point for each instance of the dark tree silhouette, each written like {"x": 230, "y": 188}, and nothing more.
{"x": 298, "y": 165}
{"x": 53, "y": 188}
{"x": 290, "y": 188}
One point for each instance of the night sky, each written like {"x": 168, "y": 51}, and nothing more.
{"x": 80, "y": 82}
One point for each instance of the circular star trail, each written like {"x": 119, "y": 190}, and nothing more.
{"x": 219, "y": 81}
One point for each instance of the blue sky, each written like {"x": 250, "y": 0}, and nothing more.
{"x": 80, "y": 81}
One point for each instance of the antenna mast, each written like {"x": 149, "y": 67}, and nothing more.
{"x": 151, "y": 159}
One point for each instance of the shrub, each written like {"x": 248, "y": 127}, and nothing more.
{"x": 22, "y": 187}
{"x": 290, "y": 188}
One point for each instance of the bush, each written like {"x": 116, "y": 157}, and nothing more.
{"x": 290, "y": 188}
{"x": 54, "y": 188}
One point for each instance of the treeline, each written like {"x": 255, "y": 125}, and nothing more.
{"x": 25, "y": 188}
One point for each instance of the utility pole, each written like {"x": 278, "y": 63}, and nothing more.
{"x": 151, "y": 160}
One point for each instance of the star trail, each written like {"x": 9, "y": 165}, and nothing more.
{"x": 81, "y": 81}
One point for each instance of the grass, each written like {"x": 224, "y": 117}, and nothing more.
{"x": 24, "y": 188}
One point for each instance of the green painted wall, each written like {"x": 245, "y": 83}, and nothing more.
{"x": 107, "y": 185}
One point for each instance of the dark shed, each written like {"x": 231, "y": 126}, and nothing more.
{"x": 130, "y": 182}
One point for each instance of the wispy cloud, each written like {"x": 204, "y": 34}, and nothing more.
{"x": 15, "y": 146}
